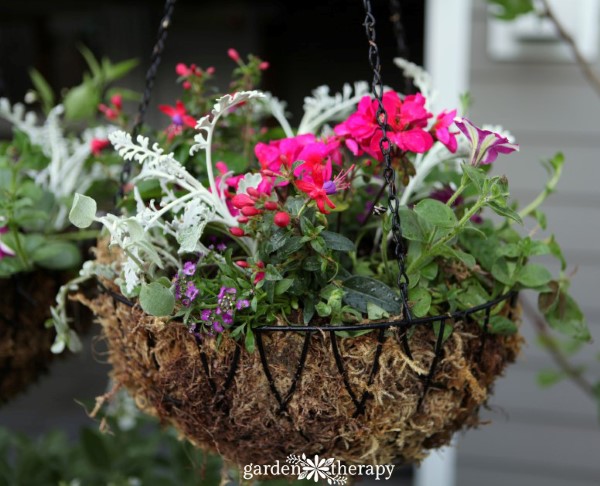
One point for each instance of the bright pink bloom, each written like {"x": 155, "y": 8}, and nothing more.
{"x": 263, "y": 66}
{"x": 407, "y": 120}
{"x": 97, "y": 145}
{"x": 186, "y": 85}
{"x": 210, "y": 70}
{"x": 233, "y": 55}
{"x": 283, "y": 152}
{"x": 441, "y": 131}
{"x": 182, "y": 70}
{"x": 485, "y": 144}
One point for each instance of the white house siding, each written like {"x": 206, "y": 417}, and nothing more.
{"x": 541, "y": 437}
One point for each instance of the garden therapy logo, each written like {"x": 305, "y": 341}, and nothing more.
{"x": 318, "y": 468}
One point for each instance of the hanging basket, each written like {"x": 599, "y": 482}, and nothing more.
{"x": 360, "y": 400}
{"x": 25, "y": 341}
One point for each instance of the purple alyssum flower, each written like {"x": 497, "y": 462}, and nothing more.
{"x": 485, "y": 144}
{"x": 189, "y": 268}
{"x": 191, "y": 291}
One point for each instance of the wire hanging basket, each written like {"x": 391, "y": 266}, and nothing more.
{"x": 387, "y": 396}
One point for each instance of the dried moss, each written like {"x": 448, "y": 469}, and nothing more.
{"x": 160, "y": 364}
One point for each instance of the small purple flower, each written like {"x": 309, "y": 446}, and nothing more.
{"x": 189, "y": 268}
{"x": 221, "y": 247}
{"x": 226, "y": 291}
{"x": 191, "y": 292}
{"x": 242, "y": 304}
{"x": 205, "y": 314}
{"x": 228, "y": 318}
{"x": 485, "y": 145}
{"x": 217, "y": 326}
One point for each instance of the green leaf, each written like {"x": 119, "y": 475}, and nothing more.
{"x": 57, "y": 255}
{"x": 548, "y": 378}
{"x": 43, "y": 89}
{"x": 156, "y": 299}
{"x": 505, "y": 211}
{"x": 435, "y": 213}
{"x": 113, "y": 72}
{"x": 308, "y": 310}
{"x": 92, "y": 62}
{"x": 338, "y": 242}
{"x": 421, "y": 300}
{"x": 323, "y": 309}
{"x": 411, "y": 228}
{"x": 375, "y": 312}
{"x": 83, "y": 211}
{"x": 534, "y": 275}
{"x": 249, "y": 341}
{"x": 503, "y": 271}
{"x": 511, "y": 9}
{"x": 81, "y": 101}
{"x": 362, "y": 290}
{"x": 475, "y": 175}
{"x": 312, "y": 263}
{"x": 502, "y": 325}
{"x": 565, "y": 316}
{"x": 447, "y": 330}
{"x": 283, "y": 285}
{"x": 430, "y": 271}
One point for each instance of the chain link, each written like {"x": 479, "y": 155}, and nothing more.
{"x": 385, "y": 145}
{"x": 155, "y": 60}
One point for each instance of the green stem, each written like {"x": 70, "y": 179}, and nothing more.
{"x": 457, "y": 193}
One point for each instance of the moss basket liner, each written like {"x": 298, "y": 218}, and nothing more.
{"x": 191, "y": 387}
{"x": 25, "y": 341}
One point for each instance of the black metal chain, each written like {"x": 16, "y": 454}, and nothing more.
{"x": 386, "y": 148}
{"x": 155, "y": 60}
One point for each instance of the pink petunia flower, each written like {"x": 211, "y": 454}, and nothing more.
{"x": 485, "y": 144}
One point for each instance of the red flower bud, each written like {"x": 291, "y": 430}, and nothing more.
{"x": 259, "y": 276}
{"x": 235, "y": 231}
{"x": 271, "y": 205}
{"x": 252, "y": 191}
{"x": 117, "y": 101}
{"x": 233, "y": 55}
{"x": 210, "y": 70}
{"x": 242, "y": 200}
{"x": 282, "y": 219}
{"x": 250, "y": 211}
{"x": 242, "y": 263}
{"x": 263, "y": 66}
{"x": 186, "y": 85}
{"x": 260, "y": 264}
{"x": 243, "y": 219}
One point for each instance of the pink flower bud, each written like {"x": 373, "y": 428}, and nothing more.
{"x": 235, "y": 231}
{"x": 186, "y": 85}
{"x": 242, "y": 200}
{"x": 263, "y": 66}
{"x": 250, "y": 211}
{"x": 233, "y": 55}
{"x": 117, "y": 101}
{"x": 271, "y": 205}
{"x": 182, "y": 70}
{"x": 242, "y": 263}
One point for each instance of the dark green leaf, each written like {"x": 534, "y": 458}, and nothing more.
{"x": 338, "y": 242}
{"x": 421, "y": 301}
{"x": 505, "y": 211}
{"x": 503, "y": 271}
{"x": 95, "y": 448}
{"x": 475, "y": 175}
{"x": 361, "y": 290}
{"x": 411, "y": 228}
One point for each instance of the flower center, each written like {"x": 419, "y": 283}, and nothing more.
{"x": 177, "y": 119}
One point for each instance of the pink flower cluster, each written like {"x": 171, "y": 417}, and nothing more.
{"x": 407, "y": 121}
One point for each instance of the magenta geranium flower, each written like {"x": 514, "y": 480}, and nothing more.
{"x": 441, "y": 130}
{"x": 407, "y": 120}
{"x": 485, "y": 144}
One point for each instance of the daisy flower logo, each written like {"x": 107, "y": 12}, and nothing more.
{"x": 316, "y": 469}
